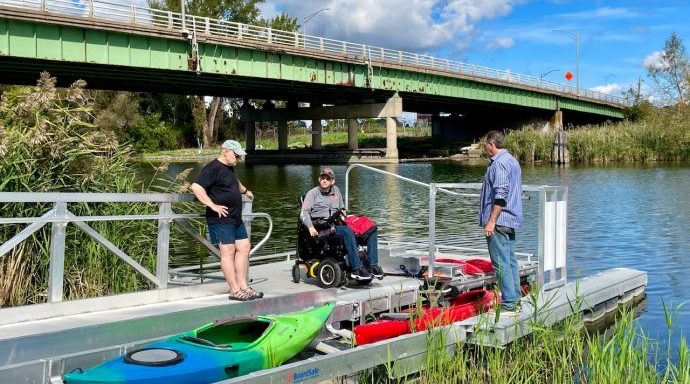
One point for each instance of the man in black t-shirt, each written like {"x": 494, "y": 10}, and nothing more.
{"x": 219, "y": 189}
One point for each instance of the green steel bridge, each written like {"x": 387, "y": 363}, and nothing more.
{"x": 126, "y": 47}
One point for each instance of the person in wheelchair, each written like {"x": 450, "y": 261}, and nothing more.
{"x": 320, "y": 203}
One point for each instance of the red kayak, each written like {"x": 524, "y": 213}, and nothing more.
{"x": 463, "y": 306}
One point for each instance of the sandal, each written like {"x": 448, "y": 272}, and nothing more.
{"x": 240, "y": 295}
{"x": 252, "y": 293}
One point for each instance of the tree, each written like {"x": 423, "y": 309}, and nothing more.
{"x": 281, "y": 22}
{"x": 241, "y": 11}
{"x": 670, "y": 74}
{"x": 207, "y": 118}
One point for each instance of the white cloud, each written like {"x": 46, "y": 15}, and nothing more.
{"x": 409, "y": 25}
{"x": 609, "y": 89}
{"x": 500, "y": 42}
{"x": 604, "y": 13}
{"x": 654, "y": 61}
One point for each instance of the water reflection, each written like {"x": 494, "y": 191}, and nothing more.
{"x": 618, "y": 216}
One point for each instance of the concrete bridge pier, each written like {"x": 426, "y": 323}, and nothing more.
{"x": 316, "y": 112}
{"x": 352, "y": 134}
{"x": 391, "y": 139}
{"x": 249, "y": 126}
{"x": 282, "y": 135}
{"x": 316, "y": 129}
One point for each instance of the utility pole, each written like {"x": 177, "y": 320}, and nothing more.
{"x": 575, "y": 36}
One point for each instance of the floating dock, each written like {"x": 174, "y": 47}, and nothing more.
{"x": 40, "y": 343}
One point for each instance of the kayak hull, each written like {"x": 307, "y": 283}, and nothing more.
{"x": 213, "y": 352}
{"x": 462, "y": 306}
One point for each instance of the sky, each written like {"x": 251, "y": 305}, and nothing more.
{"x": 615, "y": 39}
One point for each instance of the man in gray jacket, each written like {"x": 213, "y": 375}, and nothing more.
{"x": 322, "y": 202}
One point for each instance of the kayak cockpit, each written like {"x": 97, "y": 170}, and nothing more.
{"x": 232, "y": 333}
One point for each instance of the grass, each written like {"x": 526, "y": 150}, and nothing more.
{"x": 564, "y": 353}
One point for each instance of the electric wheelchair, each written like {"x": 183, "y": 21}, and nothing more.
{"x": 324, "y": 257}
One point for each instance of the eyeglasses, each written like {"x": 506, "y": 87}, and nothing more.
{"x": 235, "y": 154}
{"x": 324, "y": 177}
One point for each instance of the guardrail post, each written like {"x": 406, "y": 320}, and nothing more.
{"x": 296, "y": 38}
{"x": 207, "y": 28}
{"x": 57, "y": 254}
{"x": 269, "y": 33}
{"x": 134, "y": 14}
{"x": 163, "y": 246}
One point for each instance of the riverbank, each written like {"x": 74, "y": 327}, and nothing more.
{"x": 410, "y": 149}
{"x": 659, "y": 136}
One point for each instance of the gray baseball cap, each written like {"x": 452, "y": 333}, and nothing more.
{"x": 235, "y": 147}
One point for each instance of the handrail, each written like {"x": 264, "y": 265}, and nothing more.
{"x": 132, "y": 15}
{"x": 395, "y": 175}
{"x": 60, "y": 216}
{"x": 552, "y": 230}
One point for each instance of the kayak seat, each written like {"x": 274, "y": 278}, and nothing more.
{"x": 201, "y": 341}
{"x": 234, "y": 331}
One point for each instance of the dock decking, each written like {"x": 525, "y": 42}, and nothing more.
{"x": 39, "y": 343}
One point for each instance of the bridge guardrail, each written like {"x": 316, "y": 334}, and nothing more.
{"x": 136, "y": 15}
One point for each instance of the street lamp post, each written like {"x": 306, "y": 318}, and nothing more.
{"x": 543, "y": 75}
{"x": 575, "y": 36}
{"x": 184, "y": 25}
{"x": 306, "y": 20}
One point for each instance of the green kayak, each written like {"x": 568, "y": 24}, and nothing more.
{"x": 216, "y": 351}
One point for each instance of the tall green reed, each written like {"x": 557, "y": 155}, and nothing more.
{"x": 563, "y": 353}
{"x": 661, "y": 135}
{"x": 48, "y": 143}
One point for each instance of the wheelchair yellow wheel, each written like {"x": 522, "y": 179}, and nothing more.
{"x": 313, "y": 267}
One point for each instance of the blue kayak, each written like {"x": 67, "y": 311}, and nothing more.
{"x": 216, "y": 351}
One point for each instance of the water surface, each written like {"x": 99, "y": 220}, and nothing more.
{"x": 618, "y": 216}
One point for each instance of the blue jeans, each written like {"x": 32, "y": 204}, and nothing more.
{"x": 350, "y": 243}
{"x": 502, "y": 251}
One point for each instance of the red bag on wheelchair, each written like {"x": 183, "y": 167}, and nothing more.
{"x": 362, "y": 226}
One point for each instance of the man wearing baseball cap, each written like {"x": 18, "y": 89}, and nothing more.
{"x": 219, "y": 189}
{"x": 322, "y": 202}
